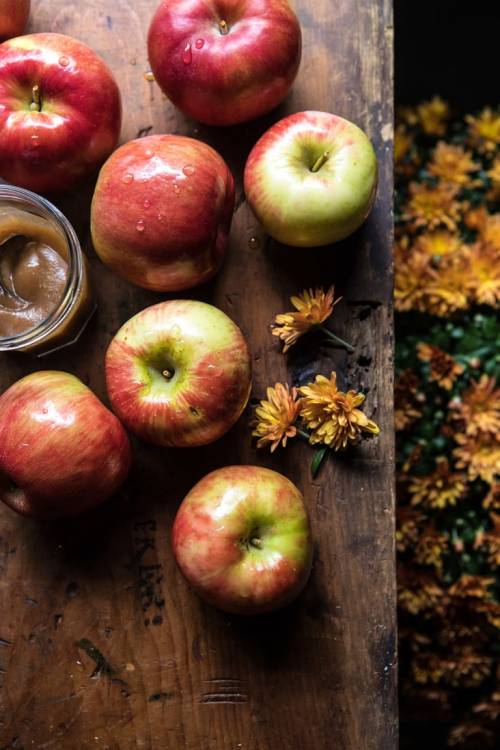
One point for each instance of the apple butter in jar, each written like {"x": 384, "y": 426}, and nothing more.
{"x": 45, "y": 298}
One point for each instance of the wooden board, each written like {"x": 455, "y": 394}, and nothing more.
{"x": 101, "y": 643}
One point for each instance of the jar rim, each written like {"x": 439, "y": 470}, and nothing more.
{"x": 35, "y": 202}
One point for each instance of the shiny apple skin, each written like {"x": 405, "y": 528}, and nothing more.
{"x": 14, "y": 16}
{"x": 212, "y": 380}
{"x": 80, "y": 119}
{"x": 61, "y": 451}
{"x": 303, "y": 208}
{"x": 225, "y": 79}
{"x": 212, "y": 533}
{"x": 162, "y": 212}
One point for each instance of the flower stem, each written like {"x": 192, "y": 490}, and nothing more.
{"x": 303, "y": 434}
{"x": 337, "y": 339}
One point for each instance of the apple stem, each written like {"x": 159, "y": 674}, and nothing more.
{"x": 336, "y": 339}
{"x": 320, "y": 161}
{"x": 223, "y": 27}
{"x": 36, "y": 104}
{"x": 168, "y": 374}
{"x": 256, "y": 542}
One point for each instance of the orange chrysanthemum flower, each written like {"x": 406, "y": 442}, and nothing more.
{"x": 484, "y": 130}
{"x": 431, "y": 547}
{"x": 494, "y": 175}
{"x": 466, "y": 669}
{"x": 489, "y": 231}
{"x": 444, "y": 370}
{"x": 407, "y": 400}
{"x": 332, "y": 415}
{"x": 479, "y": 455}
{"x": 418, "y": 590}
{"x": 276, "y": 417}
{"x": 484, "y": 260}
{"x": 433, "y": 116}
{"x": 411, "y": 275}
{"x": 313, "y": 309}
{"x": 433, "y": 206}
{"x": 492, "y": 499}
{"x": 490, "y": 540}
{"x": 475, "y": 218}
{"x": 471, "y": 587}
{"x": 438, "y": 243}
{"x": 478, "y": 408}
{"x": 409, "y": 521}
{"x": 436, "y": 288}
{"x": 452, "y": 164}
{"x": 402, "y": 143}
{"x": 407, "y": 115}
{"x": 441, "y": 489}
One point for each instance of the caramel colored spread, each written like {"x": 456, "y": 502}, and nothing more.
{"x": 33, "y": 270}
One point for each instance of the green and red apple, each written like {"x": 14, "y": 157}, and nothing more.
{"x": 60, "y": 112}
{"x": 162, "y": 212}
{"x": 224, "y": 62}
{"x": 241, "y": 539}
{"x": 61, "y": 451}
{"x": 179, "y": 373}
{"x": 14, "y": 16}
{"x": 311, "y": 179}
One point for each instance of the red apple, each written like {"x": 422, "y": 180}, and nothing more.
{"x": 60, "y": 111}
{"x": 162, "y": 211}
{"x": 224, "y": 62}
{"x": 311, "y": 179}
{"x": 61, "y": 451}
{"x": 14, "y": 16}
{"x": 179, "y": 373}
{"x": 241, "y": 539}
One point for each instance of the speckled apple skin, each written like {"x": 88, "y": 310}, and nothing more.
{"x": 212, "y": 533}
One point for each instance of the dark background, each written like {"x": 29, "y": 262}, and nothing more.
{"x": 449, "y": 48}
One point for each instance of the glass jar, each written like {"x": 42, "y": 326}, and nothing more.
{"x": 64, "y": 323}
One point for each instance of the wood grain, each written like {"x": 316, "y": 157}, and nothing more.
{"x": 101, "y": 643}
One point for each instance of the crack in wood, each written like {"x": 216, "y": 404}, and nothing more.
{"x": 163, "y": 696}
{"x": 5, "y": 642}
{"x": 226, "y": 690}
{"x": 102, "y": 666}
{"x": 224, "y": 697}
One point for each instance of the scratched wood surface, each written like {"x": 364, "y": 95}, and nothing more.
{"x": 101, "y": 643}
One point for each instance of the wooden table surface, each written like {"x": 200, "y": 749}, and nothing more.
{"x": 102, "y": 645}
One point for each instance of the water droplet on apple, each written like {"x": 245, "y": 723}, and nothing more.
{"x": 140, "y": 226}
{"x": 160, "y": 217}
{"x": 187, "y": 55}
{"x": 215, "y": 372}
{"x": 64, "y": 61}
{"x": 149, "y": 76}
{"x": 147, "y": 203}
{"x": 148, "y": 153}
{"x": 188, "y": 170}
{"x": 199, "y": 43}
{"x": 35, "y": 141}
{"x": 127, "y": 178}
{"x": 253, "y": 243}
{"x": 177, "y": 189}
